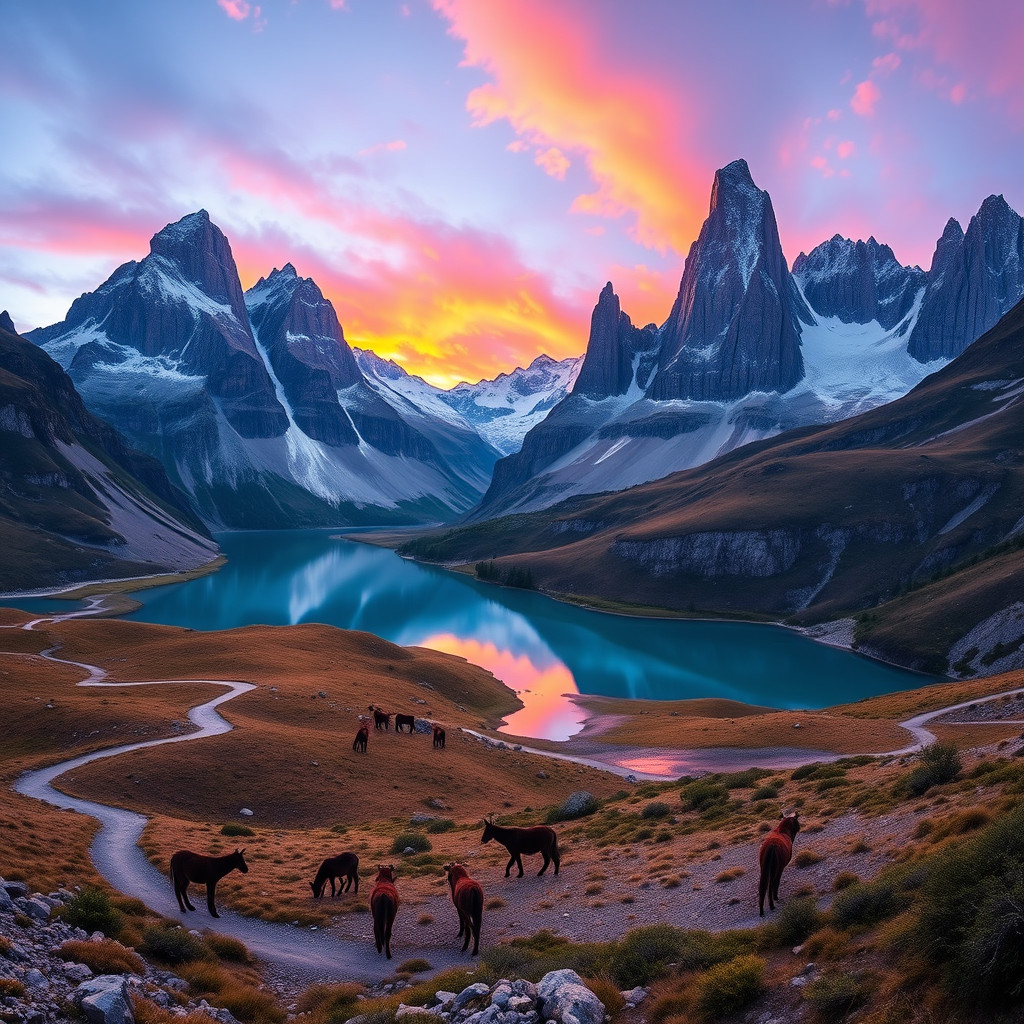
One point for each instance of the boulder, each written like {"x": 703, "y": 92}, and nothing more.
{"x": 105, "y": 1000}
{"x": 567, "y": 1000}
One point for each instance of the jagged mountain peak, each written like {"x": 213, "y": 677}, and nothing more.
{"x": 6, "y": 323}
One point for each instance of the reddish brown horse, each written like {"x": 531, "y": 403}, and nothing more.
{"x": 407, "y": 721}
{"x": 438, "y": 738}
{"x": 359, "y": 743}
{"x": 468, "y": 897}
{"x": 776, "y": 850}
{"x": 345, "y": 865}
{"x": 381, "y": 718}
{"x": 187, "y": 866}
{"x": 536, "y": 839}
{"x": 383, "y": 907}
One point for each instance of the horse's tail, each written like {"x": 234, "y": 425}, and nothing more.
{"x": 556, "y": 855}
{"x": 475, "y": 905}
{"x": 771, "y": 866}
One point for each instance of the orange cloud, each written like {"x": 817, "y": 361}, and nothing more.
{"x": 558, "y": 85}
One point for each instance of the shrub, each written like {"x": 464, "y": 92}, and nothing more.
{"x": 606, "y": 989}
{"x": 729, "y": 987}
{"x": 11, "y": 987}
{"x": 972, "y": 914}
{"x": 415, "y": 966}
{"x": 441, "y": 825}
{"x": 576, "y": 805}
{"x": 414, "y": 840}
{"x": 495, "y": 903}
{"x": 656, "y": 809}
{"x": 92, "y": 911}
{"x": 744, "y": 779}
{"x": 233, "y": 828}
{"x": 250, "y": 1005}
{"x": 730, "y": 874}
{"x": 332, "y": 1001}
{"x": 867, "y": 903}
{"x": 797, "y": 918}
{"x": 768, "y": 792}
{"x": 171, "y": 945}
{"x": 227, "y": 947}
{"x": 644, "y": 953}
{"x": 807, "y": 858}
{"x": 834, "y": 995}
{"x": 107, "y": 957}
{"x": 939, "y": 763}
{"x": 701, "y": 795}
{"x": 844, "y": 880}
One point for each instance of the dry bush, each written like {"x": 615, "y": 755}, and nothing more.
{"x": 807, "y": 858}
{"x": 607, "y": 990}
{"x": 495, "y": 903}
{"x": 844, "y": 879}
{"x": 106, "y": 957}
{"x": 11, "y": 987}
{"x": 730, "y": 874}
{"x": 827, "y": 944}
{"x": 227, "y": 947}
{"x": 424, "y": 919}
{"x": 960, "y": 823}
{"x": 147, "y": 1012}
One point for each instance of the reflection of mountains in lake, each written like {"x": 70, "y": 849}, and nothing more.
{"x": 306, "y": 576}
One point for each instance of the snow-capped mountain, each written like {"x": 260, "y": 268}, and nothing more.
{"x": 275, "y": 427}
{"x": 76, "y": 503}
{"x": 501, "y": 410}
{"x": 750, "y": 350}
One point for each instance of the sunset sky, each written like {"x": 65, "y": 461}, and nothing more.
{"x": 461, "y": 177}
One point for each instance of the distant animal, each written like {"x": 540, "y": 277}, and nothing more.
{"x": 406, "y": 720}
{"x": 359, "y": 743}
{"x": 381, "y": 718}
{"x": 438, "y": 737}
{"x": 776, "y": 850}
{"x": 187, "y": 866}
{"x": 468, "y": 897}
{"x": 383, "y": 907}
{"x": 535, "y": 839}
{"x": 345, "y": 865}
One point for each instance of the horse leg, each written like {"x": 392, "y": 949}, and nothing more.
{"x": 519, "y": 862}
{"x": 211, "y": 889}
{"x": 387, "y": 936}
{"x": 547, "y": 861}
{"x": 508, "y": 866}
{"x": 468, "y": 927}
{"x": 355, "y": 876}
{"x": 184, "y": 896}
{"x": 774, "y": 891}
{"x": 762, "y": 891}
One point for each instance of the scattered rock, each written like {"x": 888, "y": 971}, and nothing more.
{"x": 105, "y": 1000}
{"x": 245, "y": 812}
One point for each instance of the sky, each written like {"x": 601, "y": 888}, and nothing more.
{"x": 461, "y": 177}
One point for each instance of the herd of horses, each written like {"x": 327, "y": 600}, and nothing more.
{"x": 467, "y": 893}
{"x": 382, "y": 723}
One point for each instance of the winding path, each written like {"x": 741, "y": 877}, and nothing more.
{"x": 297, "y": 952}
{"x": 301, "y": 953}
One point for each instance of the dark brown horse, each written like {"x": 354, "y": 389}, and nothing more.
{"x": 383, "y": 907}
{"x": 536, "y": 839}
{"x": 776, "y": 850}
{"x": 438, "y": 738}
{"x": 408, "y": 721}
{"x": 468, "y": 897}
{"x": 345, "y": 865}
{"x": 187, "y": 866}
{"x": 381, "y": 718}
{"x": 359, "y": 743}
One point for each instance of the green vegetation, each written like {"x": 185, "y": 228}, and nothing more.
{"x": 416, "y": 841}
{"x": 939, "y": 763}
{"x": 656, "y": 809}
{"x": 91, "y": 910}
{"x": 171, "y": 945}
{"x": 834, "y": 995}
{"x": 728, "y": 987}
{"x": 513, "y": 576}
{"x": 234, "y": 829}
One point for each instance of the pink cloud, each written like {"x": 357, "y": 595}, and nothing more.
{"x": 553, "y": 161}
{"x": 395, "y": 146}
{"x": 237, "y": 10}
{"x": 886, "y": 65}
{"x": 846, "y": 149}
{"x": 866, "y": 95}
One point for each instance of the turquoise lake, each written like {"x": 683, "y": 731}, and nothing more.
{"x": 541, "y": 648}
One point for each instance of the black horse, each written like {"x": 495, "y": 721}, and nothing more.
{"x": 345, "y": 865}
{"x": 187, "y": 866}
{"x": 535, "y": 839}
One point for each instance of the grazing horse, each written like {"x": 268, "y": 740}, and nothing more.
{"x": 381, "y": 718}
{"x": 383, "y": 907}
{"x": 438, "y": 738}
{"x": 536, "y": 839}
{"x": 468, "y": 897}
{"x": 345, "y": 865}
{"x": 359, "y": 743}
{"x": 409, "y": 720}
{"x": 187, "y": 866}
{"x": 776, "y": 850}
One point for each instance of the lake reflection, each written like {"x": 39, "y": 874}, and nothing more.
{"x": 540, "y": 648}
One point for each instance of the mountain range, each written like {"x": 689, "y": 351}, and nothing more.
{"x": 751, "y": 349}
{"x": 263, "y": 415}
{"x": 76, "y": 502}
{"x": 910, "y": 516}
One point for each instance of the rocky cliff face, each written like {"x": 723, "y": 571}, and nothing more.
{"x": 277, "y": 428}
{"x": 974, "y": 279}
{"x": 857, "y": 282}
{"x": 734, "y": 327}
{"x": 76, "y": 502}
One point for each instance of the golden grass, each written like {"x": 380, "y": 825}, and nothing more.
{"x": 106, "y": 957}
